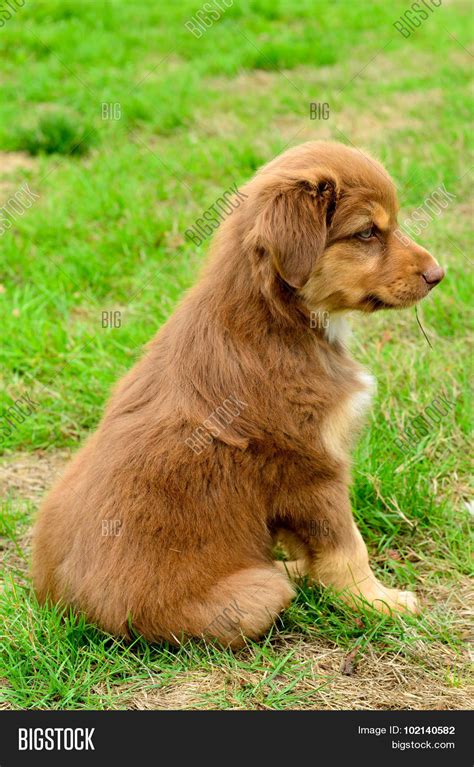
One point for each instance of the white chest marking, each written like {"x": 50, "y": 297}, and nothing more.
{"x": 338, "y": 329}
{"x": 338, "y": 427}
{"x": 360, "y": 401}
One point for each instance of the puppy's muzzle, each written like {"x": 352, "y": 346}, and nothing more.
{"x": 433, "y": 276}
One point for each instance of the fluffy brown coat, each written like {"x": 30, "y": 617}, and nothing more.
{"x": 164, "y": 520}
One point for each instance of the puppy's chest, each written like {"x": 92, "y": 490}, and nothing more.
{"x": 338, "y": 425}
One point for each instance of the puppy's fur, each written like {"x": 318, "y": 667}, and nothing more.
{"x": 153, "y": 529}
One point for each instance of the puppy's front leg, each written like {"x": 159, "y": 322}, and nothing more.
{"x": 339, "y": 557}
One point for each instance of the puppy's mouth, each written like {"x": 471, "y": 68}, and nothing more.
{"x": 373, "y": 303}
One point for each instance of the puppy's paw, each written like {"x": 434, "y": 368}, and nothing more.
{"x": 393, "y": 600}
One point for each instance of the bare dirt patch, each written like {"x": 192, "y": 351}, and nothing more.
{"x": 24, "y": 479}
{"x": 12, "y": 161}
{"x": 28, "y": 475}
{"x": 389, "y": 115}
{"x": 385, "y": 119}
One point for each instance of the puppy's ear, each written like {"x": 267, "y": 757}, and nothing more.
{"x": 293, "y": 222}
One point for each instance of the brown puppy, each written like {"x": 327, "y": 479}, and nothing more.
{"x": 237, "y": 422}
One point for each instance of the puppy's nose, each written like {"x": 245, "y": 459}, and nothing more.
{"x": 433, "y": 276}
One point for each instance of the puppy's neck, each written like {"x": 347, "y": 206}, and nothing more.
{"x": 338, "y": 329}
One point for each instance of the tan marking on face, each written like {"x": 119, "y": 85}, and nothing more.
{"x": 381, "y": 217}
{"x": 356, "y": 223}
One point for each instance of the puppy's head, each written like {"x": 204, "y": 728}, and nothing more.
{"x": 326, "y": 216}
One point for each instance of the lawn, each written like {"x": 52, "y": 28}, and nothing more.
{"x": 122, "y": 127}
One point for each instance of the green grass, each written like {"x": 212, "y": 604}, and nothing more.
{"x": 57, "y": 133}
{"x": 107, "y": 234}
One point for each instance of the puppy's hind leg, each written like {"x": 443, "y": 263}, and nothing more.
{"x": 244, "y": 604}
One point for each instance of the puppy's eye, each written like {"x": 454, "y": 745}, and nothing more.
{"x": 366, "y": 234}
